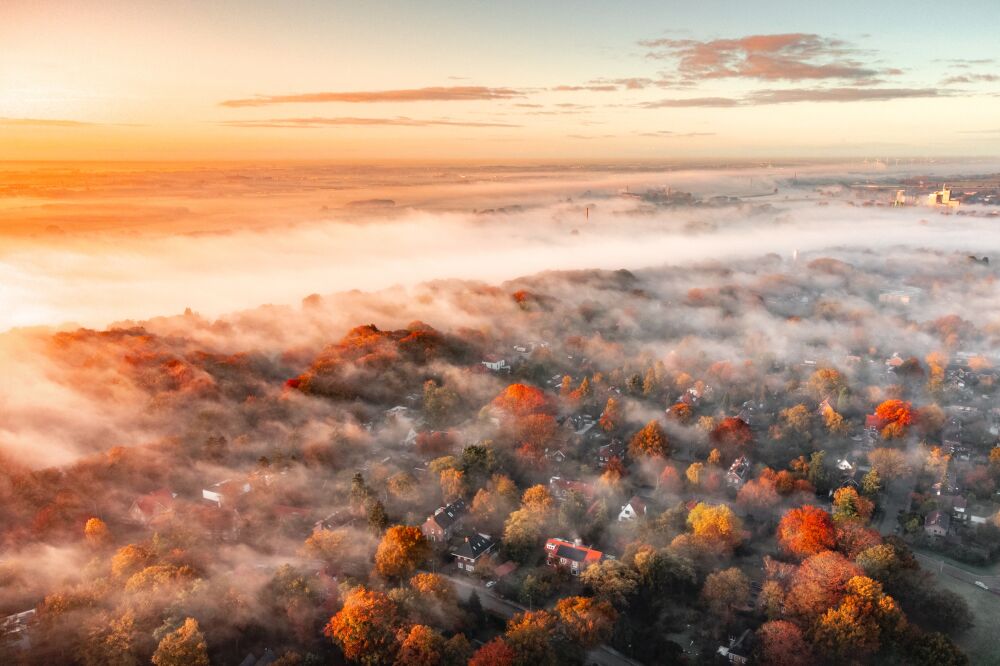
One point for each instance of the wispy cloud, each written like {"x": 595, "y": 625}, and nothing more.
{"x": 790, "y": 57}
{"x": 318, "y": 122}
{"x": 432, "y": 94}
{"x": 590, "y": 87}
{"x": 692, "y": 102}
{"x": 970, "y": 78}
{"x": 43, "y": 122}
{"x": 794, "y": 95}
{"x": 667, "y": 134}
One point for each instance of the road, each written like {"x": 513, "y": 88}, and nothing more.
{"x": 940, "y": 566}
{"x": 601, "y": 656}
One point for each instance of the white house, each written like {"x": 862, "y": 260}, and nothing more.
{"x": 635, "y": 508}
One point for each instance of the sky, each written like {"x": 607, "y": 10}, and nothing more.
{"x": 449, "y": 81}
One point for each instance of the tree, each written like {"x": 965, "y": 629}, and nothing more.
{"x": 492, "y": 504}
{"x": 863, "y": 619}
{"x": 853, "y": 537}
{"x": 715, "y": 527}
{"x": 826, "y": 383}
{"x": 693, "y": 473}
{"x": 494, "y": 653}
{"x": 849, "y": 505}
{"x": 806, "y": 531}
{"x": 895, "y": 411}
{"x": 586, "y": 621}
{"x": 611, "y": 417}
{"x": 377, "y": 518}
{"x": 529, "y": 635}
{"x": 890, "y": 463}
{"x": 522, "y": 400}
{"x": 183, "y": 647}
{"x": 818, "y": 584}
{"x": 452, "y": 484}
{"x": 365, "y": 627}
{"x": 935, "y": 649}
{"x": 681, "y": 412}
{"x": 402, "y": 549}
{"x": 733, "y": 436}
{"x": 771, "y": 600}
{"x": 440, "y": 403}
{"x": 326, "y": 545}
{"x": 781, "y": 644}
{"x": 817, "y": 474}
{"x": 650, "y": 441}
{"x": 97, "y": 533}
{"x": 420, "y": 646}
{"x": 611, "y": 580}
{"x": 129, "y": 559}
{"x": 871, "y": 483}
{"x": 522, "y": 532}
{"x": 725, "y": 590}
{"x": 112, "y": 643}
{"x": 798, "y": 419}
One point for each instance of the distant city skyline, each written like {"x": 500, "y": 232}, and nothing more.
{"x": 444, "y": 81}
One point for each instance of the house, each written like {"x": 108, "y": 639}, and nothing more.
{"x": 560, "y": 488}
{"x": 981, "y": 512}
{"x": 614, "y": 449}
{"x": 739, "y": 649}
{"x": 936, "y": 523}
{"x": 571, "y": 555}
{"x": 225, "y": 492}
{"x": 442, "y": 524}
{"x": 635, "y": 508}
{"x": 738, "y": 471}
{"x": 496, "y": 364}
{"x": 555, "y": 455}
{"x": 469, "y": 552}
{"x": 14, "y": 630}
{"x": 154, "y": 507}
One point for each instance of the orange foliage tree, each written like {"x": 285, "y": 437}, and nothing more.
{"x": 522, "y": 400}
{"x": 365, "y": 627}
{"x": 806, "y": 531}
{"x": 819, "y": 584}
{"x": 865, "y": 617}
{"x": 401, "y": 551}
{"x": 420, "y": 646}
{"x": 715, "y": 526}
{"x": 586, "y": 621}
{"x": 650, "y": 441}
{"x": 530, "y": 635}
{"x": 732, "y": 435}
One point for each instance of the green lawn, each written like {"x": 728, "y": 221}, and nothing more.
{"x": 980, "y": 642}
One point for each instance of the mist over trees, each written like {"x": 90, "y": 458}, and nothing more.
{"x": 655, "y": 462}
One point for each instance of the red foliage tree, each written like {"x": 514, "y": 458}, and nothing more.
{"x": 819, "y": 584}
{"x": 732, "y": 436}
{"x": 494, "y": 653}
{"x": 782, "y": 644}
{"x": 895, "y": 411}
{"x": 806, "y": 531}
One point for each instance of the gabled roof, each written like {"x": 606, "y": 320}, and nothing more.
{"x": 446, "y": 516}
{"x": 474, "y": 546}
{"x": 638, "y": 504}
{"x": 572, "y": 552}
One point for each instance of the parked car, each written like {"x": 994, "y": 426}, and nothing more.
{"x": 490, "y": 584}
{"x": 981, "y": 584}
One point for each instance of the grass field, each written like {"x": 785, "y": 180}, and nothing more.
{"x": 979, "y": 643}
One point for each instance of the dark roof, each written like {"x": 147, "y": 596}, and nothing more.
{"x": 571, "y": 553}
{"x": 446, "y": 516}
{"x": 474, "y": 546}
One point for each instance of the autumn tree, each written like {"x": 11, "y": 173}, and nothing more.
{"x": 530, "y": 635}
{"x": 611, "y": 417}
{"x": 185, "y": 646}
{"x": 890, "y": 463}
{"x": 494, "y": 653}
{"x": 492, "y": 504}
{"x": 863, "y": 619}
{"x": 871, "y": 483}
{"x": 797, "y": 419}
{"x": 420, "y": 646}
{"x": 366, "y": 627}
{"x": 849, "y": 505}
{"x": 694, "y": 473}
{"x": 935, "y": 649}
{"x": 715, "y": 527}
{"x": 325, "y": 545}
{"x": 453, "y": 484}
{"x": 611, "y": 580}
{"x": 681, "y": 412}
{"x": 523, "y": 528}
{"x": 130, "y": 559}
{"x": 587, "y": 622}
{"x": 97, "y": 533}
{"x": 732, "y": 435}
{"x": 818, "y": 584}
{"x": 650, "y": 441}
{"x": 725, "y": 590}
{"x": 402, "y": 549}
{"x": 806, "y": 531}
{"x": 522, "y": 400}
{"x": 853, "y": 536}
{"x": 781, "y": 643}
{"x": 895, "y": 416}
{"x": 826, "y": 383}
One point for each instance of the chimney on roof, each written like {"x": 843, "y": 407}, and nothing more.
{"x": 578, "y": 542}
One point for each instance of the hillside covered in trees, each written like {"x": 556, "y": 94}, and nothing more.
{"x": 785, "y": 461}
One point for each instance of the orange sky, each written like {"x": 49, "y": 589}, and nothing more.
{"x": 344, "y": 81}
